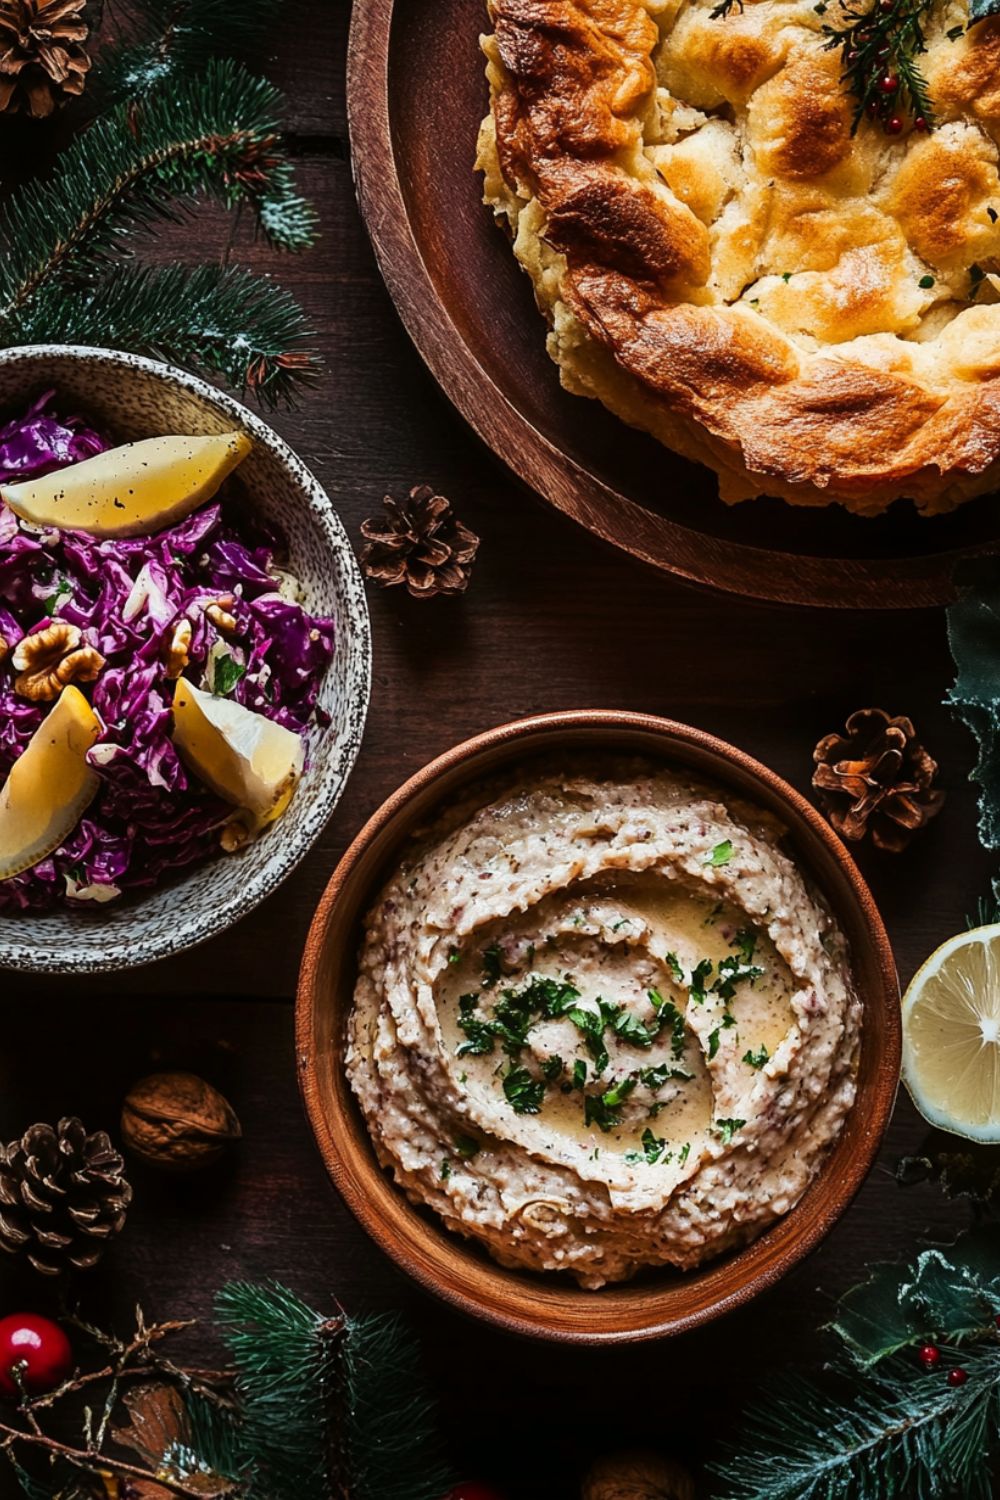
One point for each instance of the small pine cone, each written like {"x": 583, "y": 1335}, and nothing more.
{"x": 42, "y": 57}
{"x": 420, "y": 543}
{"x": 876, "y": 778}
{"x": 63, "y": 1196}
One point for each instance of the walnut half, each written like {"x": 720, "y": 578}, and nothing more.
{"x": 48, "y": 659}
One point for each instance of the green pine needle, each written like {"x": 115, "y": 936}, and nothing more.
{"x": 285, "y": 1356}
{"x": 388, "y": 1425}
{"x": 224, "y": 321}
{"x": 329, "y": 1408}
{"x": 174, "y": 36}
{"x": 217, "y": 133}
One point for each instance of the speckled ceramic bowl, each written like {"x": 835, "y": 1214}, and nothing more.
{"x": 131, "y": 397}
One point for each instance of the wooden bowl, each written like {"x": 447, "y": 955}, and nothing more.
{"x": 662, "y": 1302}
{"x": 416, "y": 95}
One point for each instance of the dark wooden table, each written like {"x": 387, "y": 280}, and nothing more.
{"x": 552, "y": 620}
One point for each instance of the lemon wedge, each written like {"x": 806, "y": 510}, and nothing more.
{"x": 951, "y": 1035}
{"x": 243, "y": 756}
{"x": 50, "y": 785}
{"x": 130, "y": 491}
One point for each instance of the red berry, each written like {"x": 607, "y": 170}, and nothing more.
{"x": 473, "y": 1489}
{"x": 888, "y": 83}
{"x": 921, "y": 124}
{"x": 41, "y": 1350}
{"x": 957, "y": 1377}
{"x": 894, "y": 125}
{"x": 929, "y": 1355}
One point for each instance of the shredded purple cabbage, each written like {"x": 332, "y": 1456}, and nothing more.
{"x": 151, "y": 816}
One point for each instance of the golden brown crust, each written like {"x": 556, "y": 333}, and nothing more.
{"x": 802, "y": 308}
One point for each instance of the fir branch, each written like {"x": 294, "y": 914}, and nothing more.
{"x": 880, "y": 44}
{"x": 285, "y": 1359}
{"x": 175, "y": 36}
{"x": 214, "y": 134}
{"x": 388, "y": 1429}
{"x": 221, "y": 320}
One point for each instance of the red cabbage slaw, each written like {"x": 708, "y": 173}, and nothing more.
{"x": 151, "y": 816}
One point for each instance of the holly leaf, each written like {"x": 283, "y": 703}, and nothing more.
{"x": 950, "y": 1294}
{"x": 974, "y": 637}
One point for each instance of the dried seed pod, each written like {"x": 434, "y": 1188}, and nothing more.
{"x": 637, "y": 1476}
{"x": 178, "y": 1122}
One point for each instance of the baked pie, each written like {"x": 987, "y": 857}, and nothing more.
{"x": 737, "y": 256}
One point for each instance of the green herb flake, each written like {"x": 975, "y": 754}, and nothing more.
{"x": 720, "y": 855}
{"x": 552, "y": 1067}
{"x": 684, "y": 1153}
{"x": 64, "y": 590}
{"x": 454, "y": 957}
{"x": 786, "y": 276}
{"x": 925, "y": 283}
{"x": 756, "y": 1059}
{"x": 226, "y": 673}
{"x": 713, "y": 1043}
{"x": 491, "y": 966}
{"x": 466, "y": 1147}
{"x": 699, "y": 976}
{"x": 523, "y": 1093}
{"x": 579, "y": 1073}
{"x": 604, "y": 1110}
{"x": 726, "y": 1129}
{"x": 673, "y": 963}
{"x": 445, "y": 1169}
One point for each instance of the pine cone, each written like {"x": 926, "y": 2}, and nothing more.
{"x": 63, "y": 1196}
{"x": 876, "y": 777}
{"x": 419, "y": 543}
{"x": 42, "y": 59}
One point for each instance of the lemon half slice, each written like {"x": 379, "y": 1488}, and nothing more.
{"x": 951, "y": 1035}
{"x": 245, "y": 757}
{"x": 50, "y": 785}
{"x": 133, "y": 490}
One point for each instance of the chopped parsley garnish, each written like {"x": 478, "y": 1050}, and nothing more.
{"x": 726, "y": 1129}
{"x": 655, "y": 1078}
{"x": 491, "y": 966}
{"x": 733, "y": 971}
{"x": 699, "y": 974}
{"x": 721, "y": 854}
{"x": 466, "y": 1147}
{"x": 552, "y": 1067}
{"x": 592, "y": 1024}
{"x": 226, "y": 673}
{"x": 787, "y": 275}
{"x": 673, "y": 963}
{"x": 756, "y": 1059}
{"x": 653, "y": 1147}
{"x": 926, "y": 282}
{"x": 454, "y": 957}
{"x": 604, "y": 1110}
{"x": 64, "y": 590}
{"x": 523, "y": 1093}
{"x": 579, "y": 1073}
{"x": 746, "y": 941}
{"x": 445, "y": 1169}
{"x": 684, "y": 1153}
{"x": 479, "y": 1033}
{"x": 632, "y": 1030}
{"x": 713, "y": 1043}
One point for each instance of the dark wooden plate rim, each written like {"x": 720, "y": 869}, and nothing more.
{"x": 902, "y": 582}
{"x": 331, "y": 1134}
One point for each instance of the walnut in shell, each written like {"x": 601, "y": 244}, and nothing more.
{"x": 47, "y": 660}
{"x": 178, "y": 1122}
{"x": 637, "y": 1476}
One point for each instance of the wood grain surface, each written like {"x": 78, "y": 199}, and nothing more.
{"x": 553, "y": 619}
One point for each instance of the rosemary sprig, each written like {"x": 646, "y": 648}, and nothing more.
{"x": 880, "y": 47}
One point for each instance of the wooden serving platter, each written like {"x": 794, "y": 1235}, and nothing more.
{"x": 416, "y": 95}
